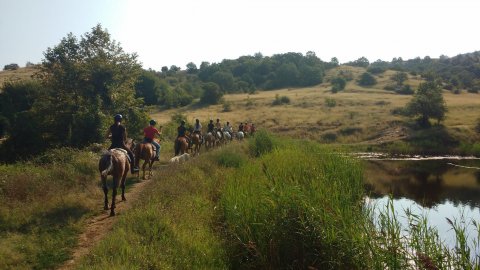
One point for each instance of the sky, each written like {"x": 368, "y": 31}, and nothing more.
{"x": 176, "y": 32}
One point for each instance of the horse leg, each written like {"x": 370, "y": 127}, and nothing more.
{"x": 105, "y": 191}
{"x": 143, "y": 168}
{"x": 114, "y": 194}
{"x": 122, "y": 185}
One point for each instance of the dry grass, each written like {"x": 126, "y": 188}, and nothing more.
{"x": 19, "y": 74}
{"x": 368, "y": 110}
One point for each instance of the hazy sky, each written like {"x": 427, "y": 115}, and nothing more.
{"x": 175, "y": 32}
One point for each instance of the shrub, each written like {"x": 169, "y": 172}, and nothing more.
{"x": 211, "y": 93}
{"x": 376, "y": 70}
{"x": 230, "y": 159}
{"x": 281, "y": 100}
{"x": 12, "y": 66}
{"x": 350, "y": 131}
{"x": 405, "y": 90}
{"x": 330, "y": 102}
{"x": 227, "y": 106}
{"x": 338, "y": 84}
{"x": 329, "y": 137}
{"x": 366, "y": 79}
{"x": 261, "y": 144}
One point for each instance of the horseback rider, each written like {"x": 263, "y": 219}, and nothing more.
{"x": 118, "y": 134}
{"x": 149, "y": 135}
{"x": 253, "y": 129}
{"x": 181, "y": 132}
{"x": 211, "y": 127}
{"x": 218, "y": 126}
{"x": 228, "y": 128}
{"x": 197, "y": 129}
{"x": 240, "y": 127}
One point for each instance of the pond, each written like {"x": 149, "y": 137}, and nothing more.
{"x": 439, "y": 187}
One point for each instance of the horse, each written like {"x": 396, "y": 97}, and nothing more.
{"x": 181, "y": 146}
{"x": 209, "y": 140}
{"x": 197, "y": 142}
{"x": 226, "y": 136}
{"x": 146, "y": 152}
{"x": 218, "y": 137}
{"x": 240, "y": 135}
{"x": 115, "y": 163}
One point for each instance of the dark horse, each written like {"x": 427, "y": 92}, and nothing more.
{"x": 116, "y": 164}
{"x": 181, "y": 146}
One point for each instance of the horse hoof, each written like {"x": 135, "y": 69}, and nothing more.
{"x": 112, "y": 214}
{"x": 105, "y": 208}
{"x": 124, "y": 199}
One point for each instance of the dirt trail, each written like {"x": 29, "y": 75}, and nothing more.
{"x": 98, "y": 226}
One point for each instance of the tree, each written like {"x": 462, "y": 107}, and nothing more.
{"x": 427, "y": 103}
{"x": 366, "y": 79}
{"x": 338, "y": 84}
{"x": 399, "y": 77}
{"x": 224, "y": 80}
{"x": 211, "y": 93}
{"x": 192, "y": 68}
{"x": 89, "y": 79}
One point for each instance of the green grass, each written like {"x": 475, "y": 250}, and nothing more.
{"x": 42, "y": 207}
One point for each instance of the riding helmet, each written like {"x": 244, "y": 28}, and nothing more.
{"x": 118, "y": 117}
{"x": 153, "y": 122}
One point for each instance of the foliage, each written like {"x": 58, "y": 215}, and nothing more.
{"x": 338, "y": 84}
{"x": 427, "y": 103}
{"x": 405, "y": 90}
{"x": 366, "y": 79}
{"x": 279, "y": 100}
{"x": 360, "y": 62}
{"x": 12, "y": 66}
{"x": 262, "y": 143}
{"x": 211, "y": 94}
{"x": 399, "y": 77}
{"x": 330, "y": 102}
{"x": 227, "y": 106}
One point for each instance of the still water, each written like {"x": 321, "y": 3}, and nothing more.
{"x": 439, "y": 188}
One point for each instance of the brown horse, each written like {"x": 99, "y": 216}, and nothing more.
{"x": 181, "y": 146}
{"x": 114, "y": 163}
{"x": 197, "y": 142}
{"x": 144, "y": 151}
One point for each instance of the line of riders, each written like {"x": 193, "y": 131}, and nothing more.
{"x": 118, "y": 135}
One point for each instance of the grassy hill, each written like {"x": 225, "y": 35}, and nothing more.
{"x": 360, "y": 115}
{"x": 19, "y": 74}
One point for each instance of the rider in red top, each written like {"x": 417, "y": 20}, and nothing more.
{"x": 149, "y": 133}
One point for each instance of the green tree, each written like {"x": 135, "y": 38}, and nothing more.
{"x": 148, "y": 87}
{"x": 427, "y": 103}
{"x": 399, "y": 77}
{"x": 192, "y": 68}
{"x": 366, "y": 79}
{"x": 224, "y": 80}
{"x": 338, "y": 84}
{"x": 87, "y": 76}
{"x": 211, "y": 93}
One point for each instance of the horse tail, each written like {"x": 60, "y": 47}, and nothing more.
{"x": 106, "y": 164}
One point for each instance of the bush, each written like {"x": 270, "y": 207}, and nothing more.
{"x": 405, "y": 90}
{"x": 350, "y": 131}
{"x": 330, "y": 102}
{"x": 329, "y": 137}
{"x": 281, "y": 100}
{"x": 230, "y": 159}
{"x": 338, "y": 84}
{"x": 227, "y": 106}
{"x": 211, "y": 93}
{"x": 12, "y": 66}
{"x": 261, "y": 144}
{"x": 366, "y": 79}
{"x": 376, "y": 70}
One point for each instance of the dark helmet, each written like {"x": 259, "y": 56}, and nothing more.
{"x": 118, "y": 117}
{"x": 196, "y": 120}
{"x": 218, "y": 119}
{"x": 182, "y": 122}
{"x": 153, "y": 122}
{"x": 228, "y": 123}
{"x": 211, "y": 121}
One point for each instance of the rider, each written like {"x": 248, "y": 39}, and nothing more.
{"x": 253, "y": 129}
{"x": 181, "y": 132}
{"x": 210, "y": 127}
{"x": 118, "y": 134}
{"x": 228, "y": 128}
{"x": 149, "y": 133}
{"x": 218, "y": 126}
{"x": 197, "y": 128}
{"x": 240, "y": 127}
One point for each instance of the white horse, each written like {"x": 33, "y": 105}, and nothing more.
{"x": 240, "y": 135}
{"x": 226, "y": 136}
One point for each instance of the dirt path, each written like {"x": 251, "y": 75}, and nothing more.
{"x": 98, "y": 226}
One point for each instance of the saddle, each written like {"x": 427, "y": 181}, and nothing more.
{"x": 123, "y": 151}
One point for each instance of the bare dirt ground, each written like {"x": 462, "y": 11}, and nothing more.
{"x": 98, "y": 226}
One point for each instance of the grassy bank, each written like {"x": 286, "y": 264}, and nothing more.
{"x": 271, "y": 204}
{"x": 42, "y": 205}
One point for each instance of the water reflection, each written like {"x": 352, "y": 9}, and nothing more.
{"x": 428, "y": 182}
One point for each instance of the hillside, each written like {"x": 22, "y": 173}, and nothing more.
{"x": 360, "y": 115}
{"x": 19, "y": 74}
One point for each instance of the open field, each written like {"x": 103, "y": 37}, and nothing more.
{"x": 19, "y": 74}
{"x": 361, "y": 115}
